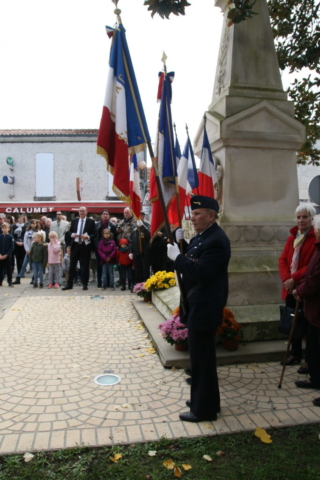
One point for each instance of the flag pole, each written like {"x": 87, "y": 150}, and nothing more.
{"x": 177, "y": 193}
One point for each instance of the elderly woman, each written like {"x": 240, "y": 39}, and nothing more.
{"x": 293, "y": 263}
{"x": 308, "y": 290}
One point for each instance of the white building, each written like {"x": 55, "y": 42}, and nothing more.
{"x": 54, "y": 170}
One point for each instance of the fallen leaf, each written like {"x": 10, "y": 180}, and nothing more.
{"x": 116, "y": 457}
{"x": 126, "y": 405}
{"x": 152, "y": 453}
{"x": 259, "y": 432}
{"x": 173, "y": 368}
{"x": 141, "y": 355}
{"x": 263, "y": 435}
{"x": 169, "y": 464}
{"x": 208, "y": 458}
{"x": 151, "y": 350}
{"x": 28, "y": 457}
{"x": 266, "y": 439}
{"x": 177, "y": 472}
{"x": 186, "y": 466}
{"x": 219, "y": 453}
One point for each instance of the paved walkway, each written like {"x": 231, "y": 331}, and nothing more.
{"x": 53, "y": 345}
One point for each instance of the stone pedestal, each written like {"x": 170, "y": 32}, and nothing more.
{"x": 254, "y": 138}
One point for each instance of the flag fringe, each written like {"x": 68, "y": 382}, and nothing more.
{"x": 137, "y": 148}
{"x": 120, "y": 195}
{"x": 155, "y": 233}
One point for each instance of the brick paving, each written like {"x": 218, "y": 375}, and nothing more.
{"x": 52, "y": 346}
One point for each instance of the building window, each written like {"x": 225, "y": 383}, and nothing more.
{"x": 44, "y": 176}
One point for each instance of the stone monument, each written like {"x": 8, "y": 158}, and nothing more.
{"x": 254, "y": 138}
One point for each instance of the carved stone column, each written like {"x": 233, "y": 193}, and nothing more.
{"x": 253, "y": 136}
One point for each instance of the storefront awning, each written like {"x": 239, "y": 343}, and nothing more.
{"x": 27, "y": 208}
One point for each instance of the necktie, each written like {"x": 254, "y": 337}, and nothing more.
{"x": 81, "y": 231}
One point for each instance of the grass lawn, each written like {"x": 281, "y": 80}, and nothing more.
{"x": 294, "y": 454}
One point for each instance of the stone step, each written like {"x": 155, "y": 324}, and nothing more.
{"x": 248, "y": 352}
{"x": 260, "y": 322}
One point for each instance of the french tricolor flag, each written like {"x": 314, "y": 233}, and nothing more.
{"x": 135, "y": 183}
{"x": 207, "y": 173}
{"x": 123, "y": 130}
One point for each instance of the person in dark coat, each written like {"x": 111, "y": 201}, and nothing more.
{"x": 82, "y": 233}
{"x": 204, "y": 270}
{"x": 308, "y": 290}
{"x": 6, "y": 251}
{"x": 101, "y": 225}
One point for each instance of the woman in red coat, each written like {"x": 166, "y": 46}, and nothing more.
{"x": 293, "y": 264}
{"x": 309, "y": 291}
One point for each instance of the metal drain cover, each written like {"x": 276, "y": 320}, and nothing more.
{"x": 107, "y": 379}
{"x": 96, "y": 297}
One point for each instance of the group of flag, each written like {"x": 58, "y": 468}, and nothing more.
{"x": 123, "y": 136}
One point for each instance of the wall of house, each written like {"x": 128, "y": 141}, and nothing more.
{"x": 70, "y": 160}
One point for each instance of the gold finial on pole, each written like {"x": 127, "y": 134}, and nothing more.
{"x": 117, "y": 10}
{"x": 164, "y": 59}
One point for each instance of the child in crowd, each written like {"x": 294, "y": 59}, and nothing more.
{"x": 107, "y": 252}
{"x": 6, "y": 252}
{"x": 38, "y": 258}
{"x": 125, "y": 263}
{"x": 54, "y": 260}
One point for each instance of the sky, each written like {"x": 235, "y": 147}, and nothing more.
{"x": 54, "y": 61}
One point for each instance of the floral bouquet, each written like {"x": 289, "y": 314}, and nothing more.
{"x": 140, "y": 290}
{"x": 230, "y": 329}
{"x": 173, "y": 331}
{"x": 160, "y": 280}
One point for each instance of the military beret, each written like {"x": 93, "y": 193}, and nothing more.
{"x": 200, "y": 201}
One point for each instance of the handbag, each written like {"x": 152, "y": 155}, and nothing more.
{"x": 286, "y": 319}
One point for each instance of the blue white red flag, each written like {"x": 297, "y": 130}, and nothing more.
{"x": 207, "y": 173}
{"x": 177, "y": 152}
{"x": 183, "y": 186}
{"x": 164, "y": 158}
{"x": 135, "y": 183}
{"x": 192, "y": 176}
{"x": 123, "y": 128}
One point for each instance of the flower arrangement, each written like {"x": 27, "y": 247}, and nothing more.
{"x": 140, "y": 290}
{"x": 160, "y": 280}
{"x": 173, "y": 331}
{"x": 230, "y": 329}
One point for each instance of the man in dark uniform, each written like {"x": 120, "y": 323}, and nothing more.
{"x": 204, "y": 270}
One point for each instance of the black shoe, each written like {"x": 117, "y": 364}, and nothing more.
{"x": 35, "y": 285}
{"x": 85, "y": 287}
{"x": 291, "y": 360}
{"x": 41, "y": 285}
{"x": 123, "y": 289}
{"x": 187, "y": 371}
{"x": 67, "y": 287}
{"x": 32, "y": 282}
{"x": 17, "y": 281}
{"x": 189, "y": 381}
{"x": 303, "y": 370}
{"x": 99, "y": 285}
{"x": 316, "y": 402}
{"x": 306, "y": 384}
{"x": 188, "y": 403}
{"x": 189, "y": 417}
{"x": 10, "y": 284}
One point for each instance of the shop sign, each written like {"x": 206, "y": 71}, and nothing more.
{"x": 29, "y": 209}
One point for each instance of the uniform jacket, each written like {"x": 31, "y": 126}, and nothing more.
{"x": 309, "y": 289}
{"x": 107, "y": 250}
{"x": 89, "y": 228}
{"x": 205, "y": 264}
{"x": 54, "y": 252}
{"x": 285, "y": 259}
{"x": 139, "y": 234}
{"x": 39, "y": 253}
{"x": 6, "y": 244}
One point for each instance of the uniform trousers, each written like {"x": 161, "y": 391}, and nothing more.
{"x": 80, "y": 251}
{"x": 205, "y": 395}
{"x": 313, "y": 353}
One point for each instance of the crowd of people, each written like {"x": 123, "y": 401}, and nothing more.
{"x": 74, "y": 248}
{"x": 55, "y": 249}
